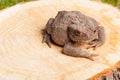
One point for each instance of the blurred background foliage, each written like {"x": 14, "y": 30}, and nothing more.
{"x": 115, "y": 3}
{"x": 8, "y": 3}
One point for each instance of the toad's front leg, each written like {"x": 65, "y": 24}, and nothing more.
{"x": 76, "y": 52}
{"x": 101, "y": 38}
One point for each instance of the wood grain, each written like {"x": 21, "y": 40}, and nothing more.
{"x": 24, "y": 57}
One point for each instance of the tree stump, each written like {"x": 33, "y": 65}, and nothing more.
{"x": 24, "y": 57}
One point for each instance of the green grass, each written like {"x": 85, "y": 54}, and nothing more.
{"x": 115, "y": 3}
{"x": 8, "y": 3}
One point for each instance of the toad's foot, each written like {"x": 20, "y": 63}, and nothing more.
{"x": 46, "y": 32}
{"x": 101, "y": 39}
{"x": 46, "y": 38}
{"x": 94, "y": 44}
{"x": 75, "y": 52}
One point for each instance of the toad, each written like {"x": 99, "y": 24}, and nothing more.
{"x": 72, "y": 29}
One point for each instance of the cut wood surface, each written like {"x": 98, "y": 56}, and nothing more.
{"x": 24, "y": 57}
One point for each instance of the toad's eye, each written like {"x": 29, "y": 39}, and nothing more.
{"x": 77, "y": 33}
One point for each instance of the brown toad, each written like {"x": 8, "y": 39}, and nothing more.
{"x": 72, "y": 28}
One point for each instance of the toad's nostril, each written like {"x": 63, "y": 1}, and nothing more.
{"x": 77, "y": 33}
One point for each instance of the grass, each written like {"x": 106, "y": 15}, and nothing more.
{"x": 8, "y": 3}
{"x": 115, "y": 3}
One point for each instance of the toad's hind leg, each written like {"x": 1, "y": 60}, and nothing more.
{"x": 46, "y": 32}
{"x": 46, "y": 38}
{"x": 75, "y": 52}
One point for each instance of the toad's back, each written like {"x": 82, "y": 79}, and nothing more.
{"x": 64, "y": 19}
{"x": 59, "y": 32}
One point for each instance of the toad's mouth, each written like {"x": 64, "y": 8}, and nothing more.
{"x": 81, "y": 41}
